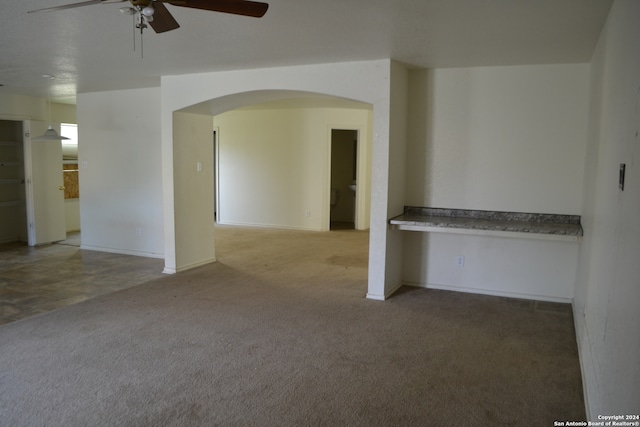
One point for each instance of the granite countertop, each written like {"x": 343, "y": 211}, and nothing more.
{"x": 551, "y": 224}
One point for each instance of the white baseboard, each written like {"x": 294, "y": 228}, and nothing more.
{"x": 122, "y": 251}
{"x": 195, "y": 264}
{"x": 583, "y": 342}
{"x": 280, "y": 227}
{"x": 387, "y": 294}
{"x": 492, "y": 292}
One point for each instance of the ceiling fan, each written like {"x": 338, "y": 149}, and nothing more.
{"x": 155, "y": 13}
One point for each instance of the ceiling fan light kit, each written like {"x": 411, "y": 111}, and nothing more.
{"x": 148, "y": 12}
{"x": 50, "y": 135}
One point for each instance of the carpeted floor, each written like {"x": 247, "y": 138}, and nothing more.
{"x": 278, "y": 333}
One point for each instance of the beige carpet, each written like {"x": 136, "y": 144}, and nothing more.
{"x": 278, "y": 333}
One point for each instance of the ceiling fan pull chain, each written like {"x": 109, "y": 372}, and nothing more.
{"x": 139, "y": 22}
{"x": 142, "y": 24}
{"x": 133, "y": 26}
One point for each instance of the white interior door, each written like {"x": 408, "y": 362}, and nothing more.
{"x": 44, "y": 185}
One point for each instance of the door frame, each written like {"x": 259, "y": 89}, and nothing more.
{"x": 28, "y": 174}
{"x": 216, "y": 173}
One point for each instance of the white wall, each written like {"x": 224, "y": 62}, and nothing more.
{"x": 396, "y": 169}
{"x": 120, "y": 171}
{"x": 19, "y": 107}
{"x": 274, "y": 164}
{"x": 513, "y": 267}
{"x": 608, "y": 287}
{"x": 193, "y": 181}
{"x": 498, "y": 138}
{"x": 72, "y": 214}
{"x": 63, "y": 113}
{"x": 504, "y": 139}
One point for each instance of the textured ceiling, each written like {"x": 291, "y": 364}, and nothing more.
{"x": 91, "y": 48}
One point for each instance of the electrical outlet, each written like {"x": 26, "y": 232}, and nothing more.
{"x": 460, "y": 261}
{"x": 308, "y": 213}
{"x": 138, "y": 231}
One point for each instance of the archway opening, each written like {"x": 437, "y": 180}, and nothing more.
{"x": 270, "y": 155}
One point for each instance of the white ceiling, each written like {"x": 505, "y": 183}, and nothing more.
{"x": 91, "y": 48}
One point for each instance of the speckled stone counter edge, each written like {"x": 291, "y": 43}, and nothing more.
{"x": 490, "y": 220}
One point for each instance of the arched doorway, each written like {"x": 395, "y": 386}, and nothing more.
{"x": 271, "y": 163}
{"x": 374, "y": 82}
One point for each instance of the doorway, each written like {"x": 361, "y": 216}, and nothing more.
{"x": 344, "y": 165}
{"x": 71, "y": 178}
{"x": 13, "y": 214}
{"x": 31, "y": 201}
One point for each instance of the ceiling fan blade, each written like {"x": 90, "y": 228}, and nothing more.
{"x": 163, "y": 20}
{"x": 74, "y": 5}
{"x": 236, "y": 7}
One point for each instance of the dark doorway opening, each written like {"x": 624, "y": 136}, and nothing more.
{"x": 344, "y": 161}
